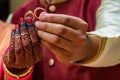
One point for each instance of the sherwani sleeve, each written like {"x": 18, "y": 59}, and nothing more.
{"x": 108, "y": 29}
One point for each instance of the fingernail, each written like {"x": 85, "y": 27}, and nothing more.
{"x": 42, "y": 16}
{"x": 37, "y": 24}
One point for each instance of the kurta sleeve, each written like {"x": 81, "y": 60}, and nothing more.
{"x": 108, "y": 29}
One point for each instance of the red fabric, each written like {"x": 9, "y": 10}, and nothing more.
{"x": 85, "y": 9}
{"x": 27, "y": 77}
{"x": 9, "y": 77}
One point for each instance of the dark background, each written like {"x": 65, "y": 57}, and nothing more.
{"x": 4, "y": 9}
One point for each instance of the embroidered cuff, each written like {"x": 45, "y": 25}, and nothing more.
{"x": 99, "y": 52}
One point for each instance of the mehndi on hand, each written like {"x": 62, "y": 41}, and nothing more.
{"x": 24, "y": 50}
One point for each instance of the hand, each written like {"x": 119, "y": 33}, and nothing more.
{"x": 66, "y": 37}
{"x": 24, "y": 48}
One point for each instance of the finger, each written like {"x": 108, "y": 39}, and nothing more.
{"x": 35, "y": 41}
{"x": 57, "y": 41}
{"x": 19, "y": 51}
{"x": 70, "y": 21}
{"x": 61, "y": 54}
{"x": 37, "y": 52}
{"x": 32, "y": 31}
{"x": 7, "y": 63}
{"x": 61, "y": 30}
{"x": 26, "y": 42}
{"x": 11, "y": 57}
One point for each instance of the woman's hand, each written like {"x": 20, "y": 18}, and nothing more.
{"x": 66, "y": 37}
{"x": 24, "y": 50}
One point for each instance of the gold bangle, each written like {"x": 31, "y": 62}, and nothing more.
{"x": 15, "y": 75}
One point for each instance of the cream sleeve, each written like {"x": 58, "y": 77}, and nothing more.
{"x": 108, "y": 29}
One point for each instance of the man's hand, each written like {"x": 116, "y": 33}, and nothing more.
{"x": 66, "y": 37}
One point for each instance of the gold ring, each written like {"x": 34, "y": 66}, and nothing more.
{"x": 29, "y": 13}
{"x": 38, "y": 9}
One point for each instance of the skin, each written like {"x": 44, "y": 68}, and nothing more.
{"x": 66, "y": 37}
{"x": 24, "y": 50}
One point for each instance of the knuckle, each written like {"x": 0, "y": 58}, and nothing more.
{"x": 51, "y": 17}
{"x": 56, "y": 39}
{"x": 66, "y": 20}
{"x": 81, "y": 40}
{"x": 78, "y": 33}
{"x": 61, "y": 29}
{"x": 44, "y": 26}
{"x": 85, "y": 26}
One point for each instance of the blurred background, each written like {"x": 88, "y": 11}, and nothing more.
{"x": 8, "y": 6}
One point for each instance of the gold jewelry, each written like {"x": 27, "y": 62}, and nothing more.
{"x": 38, "y": 9}
{"x": 14, "y": 75}
{"x": 34, "y": 14}
{"x": 29, "y": 13}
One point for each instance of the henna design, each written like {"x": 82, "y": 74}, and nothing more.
{"x": 25, "y": 48}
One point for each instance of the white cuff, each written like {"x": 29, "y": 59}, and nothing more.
{"x": 109, "y": 52}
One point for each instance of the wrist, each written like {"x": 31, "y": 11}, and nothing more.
{"x": 16, "y": 73}
{"x": 91, "y": 48}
